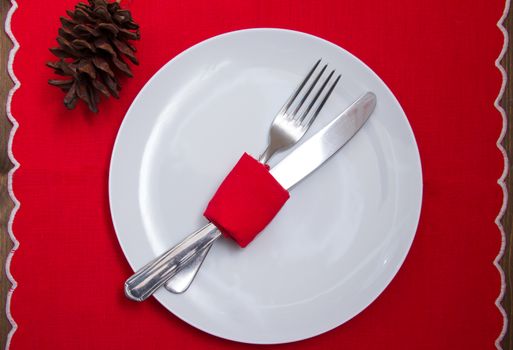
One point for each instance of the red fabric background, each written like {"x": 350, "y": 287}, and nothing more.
{"x": 437, "y": 57}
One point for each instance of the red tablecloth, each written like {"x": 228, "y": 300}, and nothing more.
{"x": 438, "y": 57}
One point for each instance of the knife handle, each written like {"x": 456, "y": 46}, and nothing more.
{"x": 157, "y": 272}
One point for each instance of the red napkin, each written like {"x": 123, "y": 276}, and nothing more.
{"x": 246, "y": 201}
{"x": 438, "y": 57}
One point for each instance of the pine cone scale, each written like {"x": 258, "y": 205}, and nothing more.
{"x": 70, "y": 100}
{"x": 103, "y": 65}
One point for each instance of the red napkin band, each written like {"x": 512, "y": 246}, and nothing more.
{"x": 247, "y": 200}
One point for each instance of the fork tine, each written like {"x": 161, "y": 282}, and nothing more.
{"x": 292, "y": 97}
{"x": 307, "y": 110}
{"x": 321, "y": 105}
{"x": 312, "y": 85}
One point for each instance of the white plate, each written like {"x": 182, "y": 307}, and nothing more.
{"x": 341, "y": 237}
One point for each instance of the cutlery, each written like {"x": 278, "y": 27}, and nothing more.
{"x": 288, "y": 172}
{"x": 287, "y": 128}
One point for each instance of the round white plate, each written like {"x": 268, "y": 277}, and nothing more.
{"x": 338, "y": 241}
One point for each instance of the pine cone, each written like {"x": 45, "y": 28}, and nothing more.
{"x": 92, "y": 44}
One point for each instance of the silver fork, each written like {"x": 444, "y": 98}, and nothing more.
{"x": 181, "y": 263}
{"x": 287, "y": 128}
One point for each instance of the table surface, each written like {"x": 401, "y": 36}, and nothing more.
{"x": 6, "y": 204}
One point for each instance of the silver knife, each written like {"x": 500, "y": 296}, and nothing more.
{"x": 292, "y": 169}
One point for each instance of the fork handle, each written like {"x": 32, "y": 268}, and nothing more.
{"x": 268, "y": 153}
{"x": 157, "y": 272}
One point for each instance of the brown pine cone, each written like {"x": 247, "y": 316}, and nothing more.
{"x": 92, "y": 44}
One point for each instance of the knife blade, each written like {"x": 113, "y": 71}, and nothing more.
{"x": 299, "y": 163}
{"x": 288, "y": 172}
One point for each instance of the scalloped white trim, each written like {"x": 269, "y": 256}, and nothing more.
{"x": 500, "y": 181}
{"x": 16, "y": 165}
